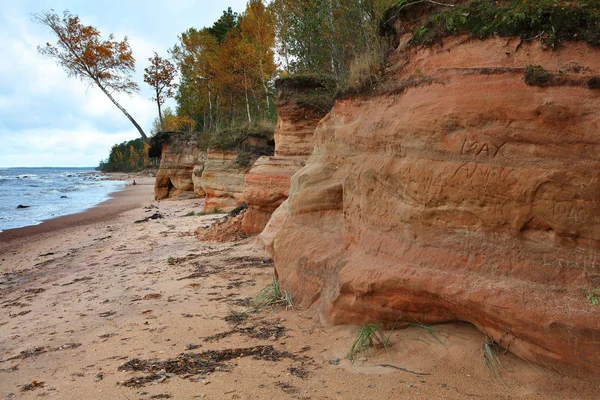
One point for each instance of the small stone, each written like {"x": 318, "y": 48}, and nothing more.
{"x": 335, "y": 362}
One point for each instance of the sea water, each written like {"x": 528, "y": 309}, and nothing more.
{"x": 49, "y": 193}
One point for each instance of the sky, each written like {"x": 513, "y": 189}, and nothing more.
{"x": 50, "y": 120}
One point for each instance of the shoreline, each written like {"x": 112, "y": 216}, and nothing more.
{"x": 128, "y": 198}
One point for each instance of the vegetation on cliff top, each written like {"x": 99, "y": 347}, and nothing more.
{"x": 551, "y": 21}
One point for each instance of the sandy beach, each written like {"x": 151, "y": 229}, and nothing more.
{"x": 98, "y": 306}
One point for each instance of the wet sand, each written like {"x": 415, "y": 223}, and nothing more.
{"x": 97, "y": 306}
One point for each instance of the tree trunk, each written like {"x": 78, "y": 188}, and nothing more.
{"x": 247, "y": 102}
{"x": 160, "y": 118}
{"x": 133, "y": 121}
{"x": 262, "y": 75}
{"x": 209, "y": 105}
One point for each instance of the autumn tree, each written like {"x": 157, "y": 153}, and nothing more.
{"x": 228, "y": 69}
{"x": 160, "y": 75}
{"x": 257, "y": 28}
{"x": 172, "y": 122}
{"x": 82, "y": 52}
{"x": 197, "y": 57}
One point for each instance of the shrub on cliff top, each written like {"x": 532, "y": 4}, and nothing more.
{"x": 317, "y": 91}
{"x": 366, "y": 70}
{"x": 535, "y": 75}
{"x": 237, "y": 138}
{"x": 553, "y": 21}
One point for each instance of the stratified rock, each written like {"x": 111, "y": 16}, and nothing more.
{"x": 180, "y": 155}
{"x": 196, "y": 179}
{"x": 223, "y": 180}
{"x": 267, "y": 185}
{"x": 301, "y": 103}
{"x": 458, "y": 193}
{"x": 223, "y": 174}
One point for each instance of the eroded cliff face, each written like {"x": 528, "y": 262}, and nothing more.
{"x": 267, "y": 184}
{"x": 458, "y": 192}
{"x": 222, "y": 180}
{"x": 175, "y": 176}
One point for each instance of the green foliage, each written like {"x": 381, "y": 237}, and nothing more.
{"x": 553, "y": 21}
{"x": 171, "y": 260}
{"x": 249, "y": 141}
{"x": 325, "y": 36}
{"x": 243, "y": 159}
{"x": 535, "y": 75}
{"x": 366, "y": 69}
{"x": 126, "y": 157}
{"x": 593, "y": 296}
{"x": 227, "y": 22}
{"x": 272, "y": 294}
{"x": 311, "y": 90}
{"x": 368, "y": 336}
{"x": 190, "y": 214}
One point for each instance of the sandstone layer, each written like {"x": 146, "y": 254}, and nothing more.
{"x": 458, "y": 193}
{"x": 222, "y": 180}
{"x": 179, "y": 159}
{"x": 268, "y": 182}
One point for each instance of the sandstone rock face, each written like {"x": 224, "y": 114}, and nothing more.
{"x": 296, "y": 120}
{"x": 267, "y": 185}
{"x": 175, "y": 177}
{"x": 196, "y": 179}
{"x": 458, "y": 193}
{"x": 268, "y": 182}
{"x": 222, "y": 180}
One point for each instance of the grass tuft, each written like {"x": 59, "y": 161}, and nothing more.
{"x": 171, "y": 260}
{"x": 593, "y": 296}
{"x": 236, "y": 317}
{"x": 272, "y": 295}
{"x": 431, "y": 331}
{"x": 368, "y": 336}
{"x": 490, "y": 358}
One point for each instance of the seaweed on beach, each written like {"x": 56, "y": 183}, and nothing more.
{"x": 193, "y": 364}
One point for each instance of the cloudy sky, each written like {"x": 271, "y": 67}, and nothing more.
{"x": 48, "y": 119}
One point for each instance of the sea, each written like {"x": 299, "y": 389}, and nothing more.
{"x": 46, "y": 193}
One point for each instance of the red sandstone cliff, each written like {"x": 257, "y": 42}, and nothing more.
{"x": 223, "y": 174}
{"x": 179, "y": 157}
{"x": 267, "y": 183}
{"x": 457, "y": 192}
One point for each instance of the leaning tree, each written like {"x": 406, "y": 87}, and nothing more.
{"x": 82, "y": 52}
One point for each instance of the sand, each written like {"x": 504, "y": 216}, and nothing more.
{"x": 82, "y": 296}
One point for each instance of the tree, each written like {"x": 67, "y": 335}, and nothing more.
{"x": 83, "y": 54}
{"x": 224, "y": 24}
{"x": 320, "y": 36}
{"x": 160, "y": 75}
